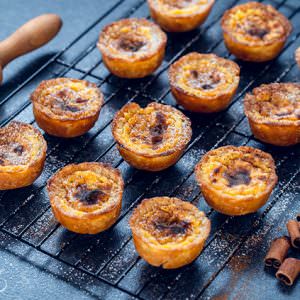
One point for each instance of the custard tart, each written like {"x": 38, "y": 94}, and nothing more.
{"x": 151, "y": 138}
{"x": 180, "y": 15}
{"x": 66, "y": 107}
{"x": 204, "y": 82}
{"x": 132, "y": 48}
{"x": 254, "y": 31}
{"x": 236, "y": 180}
{"x": 22, "y": 155}
{"x": 168, "y": 232}
{"x": 273, "y": 111}
{"x": 87, "y": 197}
{"x": 297, "y": 56}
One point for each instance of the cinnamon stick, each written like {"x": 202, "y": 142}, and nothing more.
{"x": 294, "y": 232}
{"x": 277, "y": 252}
{"x": 289, "y": 271}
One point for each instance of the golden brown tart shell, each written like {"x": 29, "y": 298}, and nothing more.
{"x": 168, "y": 232}
{"x": 66, "y": 107}
{"x": 179, "y": 16}
{"x": 151, "y": 138}
{"x": 273, "y": 111}
{"x": 204, "y": 83}
{"x": 255, "y": 32}
{"x": 297, "y": 56}
{"x": 236, "y": 180}
{"x": 22, "y": 155}
{"x": 132, "y": 48}
{"x": 86, "y": 198}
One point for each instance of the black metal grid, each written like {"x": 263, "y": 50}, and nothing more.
{"x": 106, "y": 265}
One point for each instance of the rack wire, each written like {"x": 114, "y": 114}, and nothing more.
{"x": 107, "y": 264}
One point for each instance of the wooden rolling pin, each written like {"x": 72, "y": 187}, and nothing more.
{"x": 32, "y": 35}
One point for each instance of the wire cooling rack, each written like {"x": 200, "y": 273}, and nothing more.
{"x": 106, "y": 265}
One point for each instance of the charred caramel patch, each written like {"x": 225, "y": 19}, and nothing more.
{"x": 205, "y": 81}
{"x": 216, "y": 170}
{"x": 66, "y": 107}
{"x": 171, "y": 226}
{"x": 157, "y": 131}
{"x": 70, "y": 108}
{"x": 130, "y": 44}
{"x": 63, "y": 100}
{"x": 80, "y": 100}
{"x": 89, "y": 197}
{"x": 237, "y": 177}
{"x": 62, "y": 94}
{"x": 258, "y": 32}
{"x": 19, "y": 149}
{"x": 12, "y": 153}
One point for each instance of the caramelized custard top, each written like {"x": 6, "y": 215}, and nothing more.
{"x": 20, "y": 145}
{"x": 86, "y": 187}
{"x": 275, "y": 102}
{"x": 242, "y": 171}
{"x": 166, "y": 221}
{"x": 153, "y": 130}
{"x": 256, "y": 23}
{"x": 66, "y": 98}
{"x": 131, "y": 39}
{"x": 204, "y": 75}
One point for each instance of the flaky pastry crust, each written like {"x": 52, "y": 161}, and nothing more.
{"x": 273, "y": 111}
{"x": 66, "y": 107}
{"x": 180, "y": 15}
{"x": 22, "y": 155}
{"x": 87, "y": 197}
{"x": 297, "y": 56}
{"x": 236, "y": 180}
{"x": 168, "y": 232}
{"x": 151, "y": 138}
{"x": 132, "y": 48}
{"x": 254, "y": 31}
{"x": 204, "y": 82}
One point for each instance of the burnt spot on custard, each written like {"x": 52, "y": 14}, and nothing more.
{"x": 89, "y": 197}
{"x": 215, "y": 172}
{"x": 204, "y": 81}
{"x": 71, "y": 108}
{"x": 171, "y": 226}
{"x": 80, "y": 100}
{"x": 157, "y": 131}
{"x": 65, "y": 107}
{"x": 2, "y": 160}
{"x": 12, "y": 154}
{"x": 237, "y": 177}
{"x": 65, "y": 100}
{"x": 19, "y": 149}
{"x": 255, "y": 31}
{"x": 278, "y": 101}
{"x": 131, "y": 45}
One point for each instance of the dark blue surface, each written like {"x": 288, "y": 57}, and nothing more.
{"x": 60, "y": 264}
